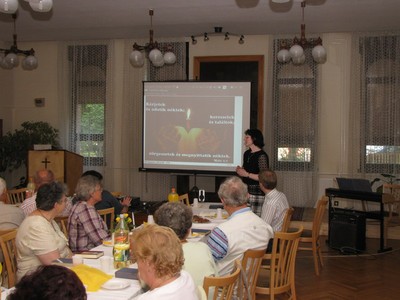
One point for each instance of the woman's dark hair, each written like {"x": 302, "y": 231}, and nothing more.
{"x": 257, "y": 137}
{"x": 50, "y": 193}
{"x": 49, "y": 283}
{"x": 176, "y": 216}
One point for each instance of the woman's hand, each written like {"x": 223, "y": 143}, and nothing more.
{"x": 241, "y": 172}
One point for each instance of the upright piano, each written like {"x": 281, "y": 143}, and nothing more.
{"x": 331, "y": 193}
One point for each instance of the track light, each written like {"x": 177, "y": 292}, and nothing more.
{"x": 217, "y": 31}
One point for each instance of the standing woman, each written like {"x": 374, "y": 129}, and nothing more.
{"x": 255, "y": 159}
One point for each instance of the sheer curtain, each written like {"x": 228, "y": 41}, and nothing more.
{"x": 123, "y": 170}
{"x": 295, "y": 128}
{"x": 87, "y": 96}
{"x": 375, "y": 109}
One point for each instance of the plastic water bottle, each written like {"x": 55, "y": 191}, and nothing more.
{"x": 121, "y": 244}
{"x": 173, "y": 196}
{"x": 31, "y": 188}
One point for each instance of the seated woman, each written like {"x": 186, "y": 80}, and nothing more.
{"x": 198, "y": 259}
{"x": 49, "y": 283}
{"x": 39, "y": 240}
{"x": 159, "y": 256}
{"x": 86, "y": 229}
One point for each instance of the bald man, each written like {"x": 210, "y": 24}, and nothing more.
{"x": 41, "y": 177}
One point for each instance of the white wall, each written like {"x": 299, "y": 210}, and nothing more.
{"x": 19, "y": 88}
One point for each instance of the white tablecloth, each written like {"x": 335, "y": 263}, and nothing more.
{"x": 102, "y": 294}
{"x": 203, "y": 210}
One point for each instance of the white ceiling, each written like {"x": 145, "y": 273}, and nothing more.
{"x": 114, "y": 19}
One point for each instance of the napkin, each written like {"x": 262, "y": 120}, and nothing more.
{"x": 91, "y": 277}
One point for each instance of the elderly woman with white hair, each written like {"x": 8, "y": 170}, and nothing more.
{"x": 198, "y": 259}
{"x": 159, "y": 256}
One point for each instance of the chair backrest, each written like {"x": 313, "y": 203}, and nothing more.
{"x": 16, "y": 196}
{"x": 391, "y": 197}
{"x": 284, "y": 251}
{"x": 283, "y": 260}
{"x": 393, "y": 189}
{"x": 287, "y": 219}
{"x": 318, "y": 216}
{"x": 63, "y": 223}
{"x": 108, "y": 216}
{"x": 251, "y": 263}
{"x": 184, "y": 199}
{"x": 7, "y": 244}
{"x": 222, "y": 287}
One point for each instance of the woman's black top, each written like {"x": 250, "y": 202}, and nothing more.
{"x": 254, "y": 162}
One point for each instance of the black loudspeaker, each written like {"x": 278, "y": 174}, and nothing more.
{"x": 347, "y": 231}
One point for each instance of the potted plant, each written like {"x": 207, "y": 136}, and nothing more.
{"x": 387, "y": 178}
{"x": 14, "y": 146}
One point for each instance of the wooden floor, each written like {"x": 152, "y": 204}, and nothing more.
{"x": 369, "y": 275}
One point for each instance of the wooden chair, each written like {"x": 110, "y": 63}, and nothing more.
{"x": 279, "y": 276}
{"x": 391, "y": 201}
{"x": 312, "y": 236}
{"x": 184, "y": 199}
{"x": 287, "y": 219}
{"x": 251, "y": 263}
{"x": 221, "y": 287}
{"x": 16, "y": 196}
{"x": 63, "y": 223}
{"x": 108, "y": 216}
{"x": 7, "y": 244}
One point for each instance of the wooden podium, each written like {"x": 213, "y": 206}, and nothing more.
{"x": 66, "y": 166}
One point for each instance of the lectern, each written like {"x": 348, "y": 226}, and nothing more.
{"x": 66, "y": 166}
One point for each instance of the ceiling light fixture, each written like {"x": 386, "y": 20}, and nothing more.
{"x": 9, "y": 58}
{"x": 296, "y": 51}
{"x": 11, "y": 6}
{"x": 153, "y": 53}
{"x": 217, "y": 32}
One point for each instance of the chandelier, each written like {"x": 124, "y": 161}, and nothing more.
{"x": 295, "y": 52}
{"x": 152, "y": 51}
{"x": 217, "y": 31}
{"x": 11, "y": 6}
{"x": 9, "y": 57}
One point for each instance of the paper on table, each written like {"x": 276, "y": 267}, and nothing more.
{"x": 91, "y": 277}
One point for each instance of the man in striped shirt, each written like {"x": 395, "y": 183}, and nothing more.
{"x": 242, "y": 231}
{"x": 275, "y": 203}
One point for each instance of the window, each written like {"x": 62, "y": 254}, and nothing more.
{"x": 380, "y": 120}
{"x": 87, "y": 74}
{"x": 294, "y": 115}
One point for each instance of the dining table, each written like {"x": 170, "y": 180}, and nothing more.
{"x": 131, "y": 288}
{"x": 121, "y": 288}
{"x": 209, "y": 212}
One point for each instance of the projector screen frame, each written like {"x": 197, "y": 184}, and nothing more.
{"x": 237, "y": 131}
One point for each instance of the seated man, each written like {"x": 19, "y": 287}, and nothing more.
{"x": 42, "y": 177}
{"x": 86, "y": 228}
{"x": 242, "y": 231}
{"x": 275, "y": 203}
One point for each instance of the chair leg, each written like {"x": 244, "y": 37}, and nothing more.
{"x": 320, "y": 255}
{"x": 315, "y": 256}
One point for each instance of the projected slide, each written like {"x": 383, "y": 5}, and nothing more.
{"x": 194, "y": 125}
